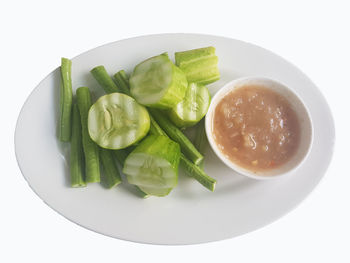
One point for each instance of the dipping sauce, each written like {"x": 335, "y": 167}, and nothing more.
{"x": 256, "y": 128}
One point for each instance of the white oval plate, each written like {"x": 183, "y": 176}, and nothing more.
{"x": 190, "y": 214}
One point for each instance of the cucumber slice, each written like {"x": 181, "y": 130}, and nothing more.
{"x": 117, "y": 121}
{"x": 158, "y": 83}
{"x": 153, "y": 165}
{"x": 192, "y": 108}
{"x": 200, "y": 65}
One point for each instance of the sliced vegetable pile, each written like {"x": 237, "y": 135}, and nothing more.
{"x": 139, "y": 123}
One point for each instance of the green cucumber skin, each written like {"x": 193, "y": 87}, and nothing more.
{"x": 176, "y": 90}
{"x": 200, "y": 65}
{"x": 172, "y": 94}
{"x": 121, "y": 156}
{"x": 161, "y": 147}
{"x": 187, "y": 56}
{"x": 76, "y": 151}
{"x": 202, "y": 72}
{"x": 92, "y": 162}
{"x": 66, "y": 101}
{"x": 111, "y": 172}
{"x": 197, "y": 95}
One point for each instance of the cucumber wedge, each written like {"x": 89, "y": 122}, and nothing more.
{"x": 192, "y": 108}
{"x": 153, "y": 165}
{"x": 200, "y": 65}
{"x": 158, "y": 83}
{"x": 117, "y": 121}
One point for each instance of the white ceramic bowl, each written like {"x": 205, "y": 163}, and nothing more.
{"x": 297, "y": 105}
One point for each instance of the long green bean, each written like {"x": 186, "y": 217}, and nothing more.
{"x": 155, "y": 128}
{"x": 105, "y": 81}
{"x": 76, "y": 152}
{"x": 201, "y": 140}
{"x": 111, "y": 172}
{"x": 198, "y": 173}
{"x": 66, "y": 100}
{"x": 92, "y": 162}
{"x": 121, "y": 155}
{"x": 122, "y": 82}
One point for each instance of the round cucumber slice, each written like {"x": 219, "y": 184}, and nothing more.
{"x": 117, "y": 121}
{"x": 153, "y": 165}
{"x": 192, "y": 108}
{"x": 157, "y": 82}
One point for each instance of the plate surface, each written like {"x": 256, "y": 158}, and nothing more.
{"x": 190, "y": 214}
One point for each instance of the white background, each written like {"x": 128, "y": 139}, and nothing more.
{"x": 313, "y": 35}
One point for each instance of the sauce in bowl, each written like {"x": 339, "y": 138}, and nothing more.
{"x": 256, "y": 128}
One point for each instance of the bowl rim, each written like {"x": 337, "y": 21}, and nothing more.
{"x": 222, "y": 92}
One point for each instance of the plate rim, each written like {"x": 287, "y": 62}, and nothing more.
{"x": 315, "y": 184}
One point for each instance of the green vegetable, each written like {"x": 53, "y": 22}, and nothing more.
{"x": 117, "y": 121}
{"x": 121, "y": 156}
{"x": 190, "y": 168}
{"x": 201, "y": 141}
{"x": 192, "y": 108}
{"x": 122, "y": 81}
{"x": 155, "y": 128}
{"x": 174, "y": 133}
{"x": 92, "y": 163}
{"x": 141, "y": 193}
{"x": 76, "y": 151}
{"x": 197, "y": 173}
{"x": 102, "y": 77}
{"x": 158, "y": 83}
{"x": 200, "y": 65}
{"x": 66, "y": 100}
{"x": 153, "y": 165}
{"x": 111, "y": 172}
